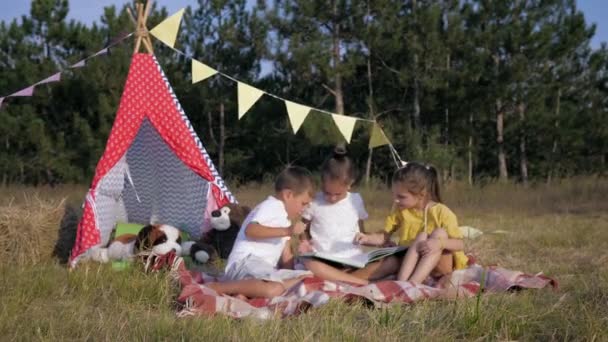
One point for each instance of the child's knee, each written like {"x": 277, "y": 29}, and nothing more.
{"x": 439, "y": 233}
{"x": 274, "y": 289}
{"x": 421, "y": 236}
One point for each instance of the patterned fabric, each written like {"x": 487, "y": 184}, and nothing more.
{"x": 198, "y": 299}
{"x": 147, "y": 96}
{"x": 164, "y": 190}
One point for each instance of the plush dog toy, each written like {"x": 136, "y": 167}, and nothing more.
{"x": 218, "y": 242}
{"x": 159, "y": 239}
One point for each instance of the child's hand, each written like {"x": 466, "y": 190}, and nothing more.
{"x": 305, "y": 246}
{"x": 428, "y": 246}
{"x": 365, "y": 239}
{"x": 389, "y": 243}
{"x": 297, "y": 228}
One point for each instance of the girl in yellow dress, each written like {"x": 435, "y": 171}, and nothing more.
{"x": 424, "y": 224}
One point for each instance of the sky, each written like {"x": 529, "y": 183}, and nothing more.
{"x": 596, "y": 11}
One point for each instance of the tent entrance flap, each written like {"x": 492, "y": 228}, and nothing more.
{"x": 164, "y": 190}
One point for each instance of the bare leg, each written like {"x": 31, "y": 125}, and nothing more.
{"x": 445, "y": 264}
{"x": 379, "y": 269}
{"x": 429, "y": 261}
{"x": 411, "y": 258}
{"x": 328, "y": 272}
{"x": 251, "y": 288}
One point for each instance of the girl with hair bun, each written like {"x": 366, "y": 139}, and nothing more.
{"x": 335, "y": 217}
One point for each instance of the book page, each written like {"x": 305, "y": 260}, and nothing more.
{"x": 383, "y": 252}
{"x": 344, "y": 249}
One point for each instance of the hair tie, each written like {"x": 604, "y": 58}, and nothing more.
{"x": 428, "y": 167}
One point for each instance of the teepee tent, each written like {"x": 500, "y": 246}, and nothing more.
{"x": 154, "y": 167}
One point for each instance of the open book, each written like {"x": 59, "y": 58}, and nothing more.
{"x": 355, "y": 257}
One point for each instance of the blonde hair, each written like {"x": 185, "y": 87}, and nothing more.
{"x": 418, "y": 178}
{"x": 296, "y": 179}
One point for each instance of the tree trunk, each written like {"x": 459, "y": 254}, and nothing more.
{"x": 553, "y": 158}
{"x": 222, "y": 141}
{"x": 447, "y": 110}
{"x": 338, "y": 93}
{"x": 370, "y": 104}
{"x": 502, "y": 159}
{"x": 416, "y": 114}
{"x": 523, "y": 160}
{"x": 446, "y": 136}
{"x": 417, "y": 122}
{"x": 470, "y": 151}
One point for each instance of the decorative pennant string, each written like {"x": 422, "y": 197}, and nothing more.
{"x": 29, "y": 91}
{"x": 394, "y": 154}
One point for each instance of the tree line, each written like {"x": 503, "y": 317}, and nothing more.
{"x": 481, "y": 89}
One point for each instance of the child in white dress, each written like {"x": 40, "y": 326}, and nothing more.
{"x": 335, "y": 217}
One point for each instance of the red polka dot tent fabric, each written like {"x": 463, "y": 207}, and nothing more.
{"x": 154, "y": 169}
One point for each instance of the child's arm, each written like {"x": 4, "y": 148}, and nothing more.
{"x": 257, "y": 231}
{"x": 452, "y": 245}
{"x": 374, "y": 239}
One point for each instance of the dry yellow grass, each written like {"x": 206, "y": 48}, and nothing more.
{"x": 29, "y": 229}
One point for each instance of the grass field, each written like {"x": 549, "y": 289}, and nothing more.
{"x": 561, "y": 230}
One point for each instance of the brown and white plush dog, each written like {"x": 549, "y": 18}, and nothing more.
{"x": 218, "y": 242}
{"x": 158, "y": 239}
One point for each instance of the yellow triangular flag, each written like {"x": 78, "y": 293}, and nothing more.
{"x": 248, "y": 95}
{"x": 377, "y": 138}
{"x": 200, "y": 71}
{"x": 345, "y": 125}
{"x": 166, "y": 31}
{"x": 297, "y": 114}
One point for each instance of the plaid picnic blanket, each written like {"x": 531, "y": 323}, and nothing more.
{"x": 197, "y": 299}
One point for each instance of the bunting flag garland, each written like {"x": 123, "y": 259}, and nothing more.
{"x": 29, "y": 91}
{"x": 166, "y": 31}
{"x": 377, "y": 137}
{"x": 78, "y": 64}
{"x": 345, "y": 124}
{"x": 100, "y": 52}
{"x": 54, "y": 78}
{"x": 201, "y": 71}
{"x": 247, "y": 96}
{"x": 297, "y": 114}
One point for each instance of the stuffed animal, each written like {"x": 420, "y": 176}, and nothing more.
{"x": 158, "y": 239}
{"x": 218, "y": 242}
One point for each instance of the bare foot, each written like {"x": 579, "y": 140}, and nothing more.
{"x": 241, "y": 297}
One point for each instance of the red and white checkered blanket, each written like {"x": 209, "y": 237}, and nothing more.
{"x": 197, "y": 299}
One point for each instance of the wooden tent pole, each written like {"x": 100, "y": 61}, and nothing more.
{"x": 141, "y": 31}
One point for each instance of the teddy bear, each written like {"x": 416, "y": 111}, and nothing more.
{"x": 225, "y": 223}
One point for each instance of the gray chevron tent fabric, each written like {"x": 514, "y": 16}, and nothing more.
{"x": 154, "y": 169}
